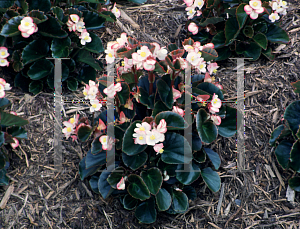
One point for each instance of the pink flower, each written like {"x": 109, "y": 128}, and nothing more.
{"x": 122, "y": 118}
{"x": 209, "y": 45}
{"x": 121, "y": 184}
{"x": 85, "y": 37}
{"x": 215, "y": 104}
{"x": 176, "y": 94}
{"x": 203, "y": 98}
{"x": 158, "y": 148}
{"x": 3, "y": 52}
{"x": 15, "y": 144}
{"x": 219, "y": 85}
{"x": 254, "y": 8}
{"x": 112, "y": 90}
{"x": 74, "y": 120}
{"x": 116, "y": 11}
{"x": 68, "y": 130}
{"x": 212, "y": 68}
{"x": 27, "y": 27}
{"x": 193, "y": 28}
{"x": 123, "y": 39}
{"x": 216, "y": 119}
{"x": 74, "y": 18}
{"x": 207, "y": 78}
{"x": 153, "y": 137}
{"x": 158, "y": 52}
{"x": 143, "y": 53}
{"x": 189, "y": 2}
{"x": 106, "y": 144}
{"x": 162, "y": 126}
{"x": 13, "y": 113}
{"x": 4, "y": 62}
{"x": 178, "y": 110}
{"x": 149, "y": 64}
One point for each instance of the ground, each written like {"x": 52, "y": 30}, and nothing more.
{"x": 253, "y": 198}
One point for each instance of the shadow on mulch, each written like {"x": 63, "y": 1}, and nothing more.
{"x": 253, "y": 198}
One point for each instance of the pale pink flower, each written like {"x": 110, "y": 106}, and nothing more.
{"x": 85, "y": 37}
{"x": 116, "y": 11}
{"x": 123, "y": 39}
{"x": 153, "y": 137}
{"x": 74, "y": 120}
{"x": 68, "y": 130}
{"x": 193, "y": 28}
{"x": 27, "y": 27}
{"x": 158, "y": 148}
{"x": 176, "y": 94}
{"x": 162, "y": 126}
{"x": 3, "y": 53}
{"x": 212, "y": 68}
{"x": 106, "y": 144}
{"x": 143, "y": 53}
{"x": 129, "y": 104}
{"x": 216, "y": 119}
{"x": 255, "y": 4}
{"x": 80, "y": 26}
{"x": 149, "y": 64}
{"x": 128, "y": 63}
{"x": 112, "y": 90}
{"x": 202, "y": 98}
{"x": 110, "y": 56}
{"x": 209, "y": 45}
{"x": 158, "y": 52}
{"x": 218, "y": 85}
{"x": 188, "y": 2}
{"x": 15, "y": 144}
{"x": 190, "y": 11}
{"x": 178, "y": 110}
{"x": 74, "y": 18}
{"x": 215, "y": 104}
{"x": 122, "y": 118}
{"x": 121, "y": 184}
{"x": 4, "y": 62}
{"x": 13, "y": 113}
{"x": 166, "y": 177}
{"x": 194, "y": 58}
{"x": 207, "y": 78}
{"x": 95, "y": 105}
{"x": 201, "y": 65}
{"x": 183, "y": 63}
{"x": 142, "y": 127}
{"x": 274, "y": 17}
{"x": 199, "y": 3}
{"x": 140, "y": 137}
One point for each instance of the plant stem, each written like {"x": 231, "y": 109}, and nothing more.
{"x": 151, "y": 82}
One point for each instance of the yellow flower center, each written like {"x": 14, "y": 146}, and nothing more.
{"x": 200, "y": 3}
{"x": 104, "y": 140}
{"x": 201, "y": 65}
{"x": 161, "y": 150}
{"x": 117, "y": 10}
{"x": 98, "y": 128}
{"x": 274, "y": 17}
{"x": 215, "y": 101}
{"x": 110, "y": 55}
{"x": 142, "y": 128}
{"x": 193, "y": 58}
{"x": 200, "y": 53}
{"x": 94, "y": 105}
{"x": 74, "y": 19}
{"x": 191, "y": 11}
{"x": 141, "y": 137}
{"x": 2, "y": 61}
{"x": 143, "y": 54}
{"x": 27, "y": 23}
{"x": 213, "y": 78}
{"x": 86, "y": 38}
{"x": 152, "y": 137}
{"x": 2, "y": 53}
{"x": 85, "y": 93}
{"x": 123, "y": 63}
{"x": 284, "y": 3}
{"x": 255, "y": 4}
{"x": 214, "y": 71}
{"x": 72, "y": 120}
{"x": 69, "y": 129}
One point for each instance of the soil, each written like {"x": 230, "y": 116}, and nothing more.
{"x": 252, "y": 198}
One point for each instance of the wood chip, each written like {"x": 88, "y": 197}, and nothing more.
{"x": 127, "y": 18}
{"x": 6, "y": 197}
{"x": 268, "y": 168}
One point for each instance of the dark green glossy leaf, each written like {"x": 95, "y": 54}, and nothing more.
{"x": 206, "y": 129}
{"x": 228, "y": 128}
{"x": 275, "y": 134}
{"x": 295, "y": 156}
{"x": 38, "y": 16}
{"x": 211, "y": 20}
{"x": 43, "y": 5}
{"x": 277, "y": 35}
{"x": 84, "y": 132}
{"x": 190, "y": 192}
{"x": 92, "y": 160}
{"x": 176, "y": 149}
{"x": 4, "y": 180}
{"x": 165, "y": 93}
{"x": 72, "y": 84}
{"x": 104, "y": 187}
{"x": 129, "y": 202}
{"x": 87, "y": 73}
{"x": 241, "y": 15}
{"x": 40, "y": 69}
{"x": 35, "y": 50}
{"x": 94, "y": 184}
{"x": 128, "y": 143}
{"x": 248, "y": 31}
{"x": 92, "y": 20}
{"x": 108, "y": 15}
{"x": 163, "y": 199}
{"x": 268, "y": 53}
{"x": 17, "y": 132}
{"x": 174, "y": 121}
{"x": 36, "y": 86}
{"x": 146, "y": 212}
{"x": 11, "y": 27}
{"x": 223, "y": 53}
{"x": 60, "y": 47}
{"x": 4, "y": 4}
{"x": 261, "y": 40}
{"x": 292, "y": 114}
{"x": 137, "y": 187}
{"x": 199, "y": 156}
{"x": 211, "y": 89}
{"x": 294, "y": 183}
{"x": 95, "y": 45}
{"x": 214, "y": 157}
{"x": 187, "y": 173}
{"x": 282, "y": 153}
{"x": 179, "y": 201}
{"x": 211, "y": 179}
{"x": 231, "y": 30}
{"x": 159, "y": 106}
{"x": 296, "y": 85}
{"x": 209, "y": 54}
{"x": 4, "y": 102}
{"x": 51, "y": 28}
{"x": 124, "y": 94}
{"x": 138, "y": 1}
{"x": 58, "y": 12}
{"x": 85, "y": 57}
{"x": 153, "y": 179}
{"x": 135, "y": 161}
{"x": 219, "y": 40}
{"x": 83, "y": 172}
{"x": 115, "y": 177}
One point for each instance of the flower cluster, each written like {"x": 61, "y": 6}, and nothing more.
{"x": 90, "y": 92}
{"x": 70, "y": 127}
{"x": 3, "y": 55}
{"x": 145, "y": 135}
{"x": 144, "y": 58}
{"x": 195, "y": 59}
{"x": 194, "y": 7}
{"x": 279, "y": 7}
{"x": 27, "y": 27}
{"x": 3, "y": 87}
{"x": 76, "y": 24}
{"x": 254, "y": 8}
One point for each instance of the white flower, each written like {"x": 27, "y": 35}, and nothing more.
{"x": 3, "y": 62}
{"x": 85, "y": 37}
{"x": 153, "y": 137}
{"x": 123, "y": 39}
{"x": 112, "y": 90}
{"x": 140, "y": 138}
{"x": 80, "y": 26}
{"x": 166, "y": 177}
{"x": 202, "y": 65}
{"x": 144, "y": 52}
{"x": 274, "y": 17}
{"x": 68, "y": 130}
{"x": 74, "y": 18}
{"x": 162, "y": 126}
{"x": 255, "y": 4}
{"x": 158, "y": 52}
{"x": 149, "y": 64}
{"x": 142, "y": 127}
{"x": 193, "y": 58}
{"x": 216, "y": 102}
{"x": 110, "y": 56}
{"x": 116, "y": 11}
{"x": 96, "y": 105}
{"x": 215, "y": 118}
{"x": 190, "y": 11}
{"x": 178, "y": 110}
{"x": 199, "y": 3}
{"x": 193, "y": 28}
{"x": 158, "y": 148}
{"x": 106, "y": 144}
{"x": 15, "y": 144}
{"x": 3, "y": 52}
{"x": 26, "y": 24}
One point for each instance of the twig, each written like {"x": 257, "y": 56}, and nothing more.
{"x": 6, "y": 197}
{"x": 220, "y": 199}
{"x": 26, "y": 158}
{"x": 108, "y": 220}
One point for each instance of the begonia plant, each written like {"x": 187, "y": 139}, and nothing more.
{"x": 243, "y": 27}
{"x": 11, "y": 131}
{"x": 155, "y": 164}
{"x": 286, "y": 140}
{"x": 32, "y": 31}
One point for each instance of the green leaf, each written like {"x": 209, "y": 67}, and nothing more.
{"x": 51, "y": 28}
{"x": 190, "y": 172}
{"x": 228, "y": 128}
{"x": 241, "y": 15}
{"x": 209, "y": 54}
{"x": 36, "y": 86}
{"x": 137, "y": 187}
{"x": 4, "y": 102}
{"x": 92, "y": 160}
{"x": 17, "y": 132}
{"x": 60, "y": 47}
{"x": 17, "y": 64}
{"x": 153, "y": 179}
{"x": 35, "y": 50}
{"x": 58, "y": 12}
{"x": 251, "y": 50}
{"x": 115, "y": 177}
{"x": 231, "y": 30}
{"x": 104, "y": 187}
{"x": 296, "y": 85}
{"x": 294, "y": 183}
{"x": 292, "y": 114}
{"x": 43, "y": 5}
{"x": 40, "y": 69}
{"x": 129, "y": 147}
{"x": 261, "y": 40}
{"x": 165, "y": 93}
{"x": 11, "y": 27}
{"x": 84, "y": 132}
{"x": 72, "y": 84}
{"x": 85, "y": 57}
{"x": 138, "y": 1}
{"x": 94, "y": 184}
{"x": 38, "y": 16}
{"x": 295, "y": 156}
{"x": 268, "y": 53}
{"x": 136, "y": 161}
{"x": 214, "y": 157}
{"x": 206, "y": 128}
{"x": 223, "y": 53}
{"x": 190, "y": 192}
{"x": 84, "y": 172}
{"x": 172, "y": 46}
{"x": 176, "y": 149}
{"x": 95, "y": 45}
{"x": 159, "y": 106}
{"x": 129, "y": 202}
{"x": 199, "y": 156}
{"x": 11, "y": 120}
{"x": 87, "y": 73}
{"x": 277, "y": 35}
{"x": 92, "y": 20}
{"x": 211, "y": 179}
{"x": 219, "y": 40}
{"x": 211, "y": 89}
{"x": 282, "y": 153}
{"x": 179, "y": 201}
{"x": 174, "y": 121}
{"x": 4, "y": 4}
{"x": 108, "y": 15}
{"x": 163, "y": 199}
{"x": 146, "y": 212}
{"x": 275, "y": 134}
{"x": 124, "y": 94}
{"x": 211, "y": 20}
{"x": 248, "y": 31}
{"x": 4, "y": 180}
